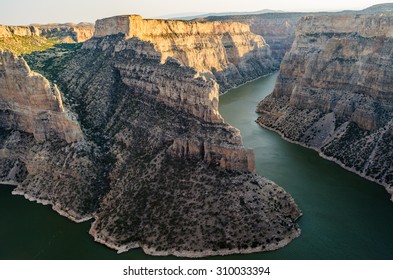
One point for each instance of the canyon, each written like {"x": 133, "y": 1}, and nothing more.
{"x": 141, "y": 147}
{"x": 333, "y": 93}
{"x": 124, "y": 128}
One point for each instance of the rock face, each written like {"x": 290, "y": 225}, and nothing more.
{"x": 29, "y": 103}
{"x": 9, "y": 31}
{"x": 278, "y": 29}
{"x": 41, "y": 147}
{"x": 67, "y": 33}
{"x": 228, "y": 50}
{"x": 334, "y": 93}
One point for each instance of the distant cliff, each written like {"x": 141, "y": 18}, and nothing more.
{"x": 229, "y": 50}
{"x": 67, "y": 33}
{"x": 157, "y": 167}
{"x": 278, "y": 29}
{"x": 334, "y": 93}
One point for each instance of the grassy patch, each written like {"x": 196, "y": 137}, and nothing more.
{"x": 26, "y": 44}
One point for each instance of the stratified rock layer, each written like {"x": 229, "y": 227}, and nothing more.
{"x": 278, "y": 29}
{"x": 229, "y": 50}
{"x": 41, "y": 147}
{"x": 334, "y": 93}
{"x": 30, "y": 103}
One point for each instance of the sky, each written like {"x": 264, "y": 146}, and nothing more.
{"x": 23, "y": 12}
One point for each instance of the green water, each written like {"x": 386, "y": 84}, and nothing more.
{"x": 345, "y": 216}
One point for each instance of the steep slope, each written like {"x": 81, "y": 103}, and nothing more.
{"x": 334, "y": 93}
{"x": 29, "y": 103}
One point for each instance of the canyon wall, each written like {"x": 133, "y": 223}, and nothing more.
{"x": 229, "y": 50}
{"x": 30, "y": 103}
{"x": 334, "y": 92}
{"x": 278, "y": 29}
{"x": 42, "y": 147}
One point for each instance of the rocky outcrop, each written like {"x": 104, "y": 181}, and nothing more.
{"x": 334, "y": 93}
{"x": 42, "y": 150}
{"x": 30, "y": 103}
{"x": 229, "y": 50}
{"x": 67, "y": 33}
{"x": 9, "y": 31}
{"x": 278, "y": 29}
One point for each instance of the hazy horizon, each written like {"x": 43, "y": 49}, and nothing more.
{"x": 21, "y": 12}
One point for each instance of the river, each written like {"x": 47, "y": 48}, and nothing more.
{"x": 344, "y": 216}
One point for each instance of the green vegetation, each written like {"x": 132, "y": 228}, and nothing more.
{"x": 26, "y": 44}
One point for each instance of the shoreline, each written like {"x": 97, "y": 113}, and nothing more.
{"x": 193, "y": 254}
{"x": 332, "y": 159}
{"x": 9, "y": 183}
{"x": 55, "y": 207}
{"x": 247, "y": 82}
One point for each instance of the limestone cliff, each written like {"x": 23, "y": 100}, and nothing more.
{"x": 229, "y": 50}
{"x": 30, "y": 103}
{"x": 42, "y": 150}
{"x": 278, "y": 29}
{"x": 67, "y": 33}
{"x": 334, "y": 92}
{"x": 136, "y": 65}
